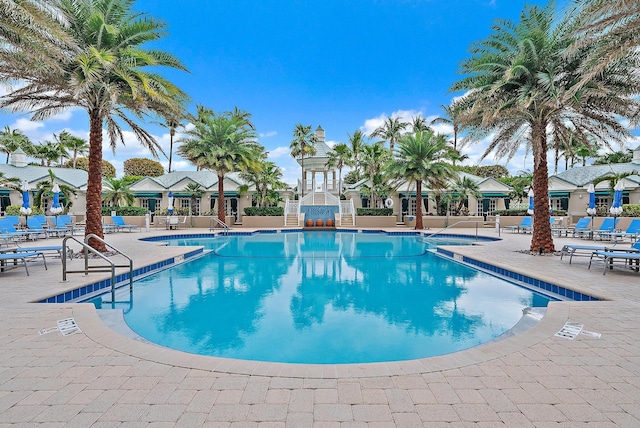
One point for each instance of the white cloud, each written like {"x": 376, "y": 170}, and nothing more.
{"x": 405, "y": 115}
{"x": 63, "y": 116}
{"x": 26, "y": 125}
{"x": 331, "y": 143}
{"x": 267, "y": 134}
{"x": 278, "y": 153}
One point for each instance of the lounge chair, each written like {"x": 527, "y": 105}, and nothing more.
{"x": 7, "y": 228}
{"x": 20, "y": 257}
{"x": 55, "y": 249}
{"x": 582, "y": 250}
{"x": 525, "y": 225}
{"x": 629, "y": 256}
{"x": 632, "y": 232}
{"x": 607, "y": 227}
{"x": 65, "y": 222}
{"x": 119, "y": 222}
{"x": 581, "y": 228}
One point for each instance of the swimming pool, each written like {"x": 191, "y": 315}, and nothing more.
{"x": 323, "y": 297}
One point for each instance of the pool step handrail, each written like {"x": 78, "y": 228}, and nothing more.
{"x": 220, "y": 223}
{"x": 431, "y": 235}
{"x": 86, "y": 249}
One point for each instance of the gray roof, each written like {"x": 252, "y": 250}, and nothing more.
{"x": 75, "y": 178}
{"x": 204, "y": 178}
{"x": 583, "y": 175}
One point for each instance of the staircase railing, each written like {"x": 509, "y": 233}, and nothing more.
{"x": 220, "y": 223}
{"x": 346, "y": 208}
{"x": 86, "y": 248}
{"x": 460, "y": 222}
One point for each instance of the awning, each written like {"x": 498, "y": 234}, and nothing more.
{"x": 4, "y": 192}
{"x": 495, "y": 195}
{"x": 182, "y": 195}
{"x": 149, "y": 195}
{"x": 559, "y": 194}
{"x": 215, "y": 195}
{"x": 412, "y": 195}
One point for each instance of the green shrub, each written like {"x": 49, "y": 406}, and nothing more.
{"x": 15, "y": 210}
{"x": 132, "y": 211}
{"x": 521, "y": 212}
{"x": 264, "y": 211}
{"x": 631, "y": 210}
{"x": 176, "y": 211}
{"x": 143, "y": 167}
{"x": 375, "y": 211}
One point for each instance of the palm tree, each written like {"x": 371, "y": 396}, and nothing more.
{"x": 462, "y": 189}
{"x": 117, "y": 193}
{"x": 301, "y": 145}
{"x": 611, "y": 30}
{"x": 420, "y": 158}
{"x": 266, "y": 176}
{"x": 33, "y": 37}
{"x": 172, "y": 121}
{"x": 520, "y": 85}
{"x": 373, "y": 160}
{"x": 77, "y": 145}
{"x": 453, "y": 118}
{"x": 44, "y": 188}
{"x": 419, "y": 124}
{"x": 46, "y": 153}
{"x": 390, "y": 130}
{"x": 11, "y": 140}
{"x": 9, "y": 182}
{"x": 108, "y": 74}
{"x": 339, "y": 157}
{"x": 223, "y": 143}
{"x": 195, "y": 192}
{"x": 357, "y": 143}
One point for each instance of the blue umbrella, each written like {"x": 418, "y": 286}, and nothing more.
{"x": 616, "y": 208}
{"x": 530, "y": 210}
{"x": 591, "y": 209}
{"x": 170, "y": 206}
{"x": 25, "y": 209}
{"x": 55, "y": 206}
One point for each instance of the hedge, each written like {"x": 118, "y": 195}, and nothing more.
{"x": 374, "y": 211}
{"x": 264, "y": 211}
{"x": 15, "y": 210}
{"x": 507, "y": 213}
{"x": 127, "y": 211}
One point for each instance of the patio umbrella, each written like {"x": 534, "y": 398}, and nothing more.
{"x": 591, "y": 209}
{"x": 616, "y": 207}
{"x": 55, "y": 206}
{"x": 25, "y": 209}
{"x": 170, "y": 206}
{"x": 530, "y": 210}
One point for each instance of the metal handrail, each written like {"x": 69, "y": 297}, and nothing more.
{"x": 89, "y": 249}
{"x": 464, "y": 221}
{"x": 220, "y": 223}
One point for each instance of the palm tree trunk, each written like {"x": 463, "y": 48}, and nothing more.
{"x": 94, "y": 182}
{"x": 419, "y": 225}
{"x": 170, "y": 148}
{"x": 221, "y": 213}
{"x": 302, "y": 184}
{"x": 542, "y": 239}
{"x": 75, "y": 158}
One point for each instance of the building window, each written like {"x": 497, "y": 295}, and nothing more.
{"x": 186, "y": 203}
{"x": 485, "y": 206}
{"x": 150, "y": 203}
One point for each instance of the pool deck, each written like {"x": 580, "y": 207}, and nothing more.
{"x": 533, "y": 379}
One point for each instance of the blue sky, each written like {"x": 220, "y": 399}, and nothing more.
{"x": 344, "y": 65}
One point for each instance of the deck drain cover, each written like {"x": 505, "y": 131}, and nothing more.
{"x": 570, "y": 330}
{"x": 68, "y": 326}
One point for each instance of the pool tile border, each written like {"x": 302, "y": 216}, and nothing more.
{"x": 533, "y": 283}
{"x": 87, "y": 290}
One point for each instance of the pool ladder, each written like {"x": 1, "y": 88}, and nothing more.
{"x": 220, "y": 223}
{"x": 111, "y": 267}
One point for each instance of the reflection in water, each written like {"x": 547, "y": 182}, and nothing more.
{"x": 323, "y": 297}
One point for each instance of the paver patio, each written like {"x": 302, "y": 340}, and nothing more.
{"x": 533, "y": 379}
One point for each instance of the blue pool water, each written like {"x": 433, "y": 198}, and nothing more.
{"x": 323, "y": 297}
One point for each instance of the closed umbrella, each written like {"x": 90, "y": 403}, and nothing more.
{"x": 616, "y": 207}
{"x": 530, "y": 210}
{"x": 55, "y": 206}
{"x": 25, "y": 209}
{"x": 170, "y": 206}
{"x": 591, "y": 209}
